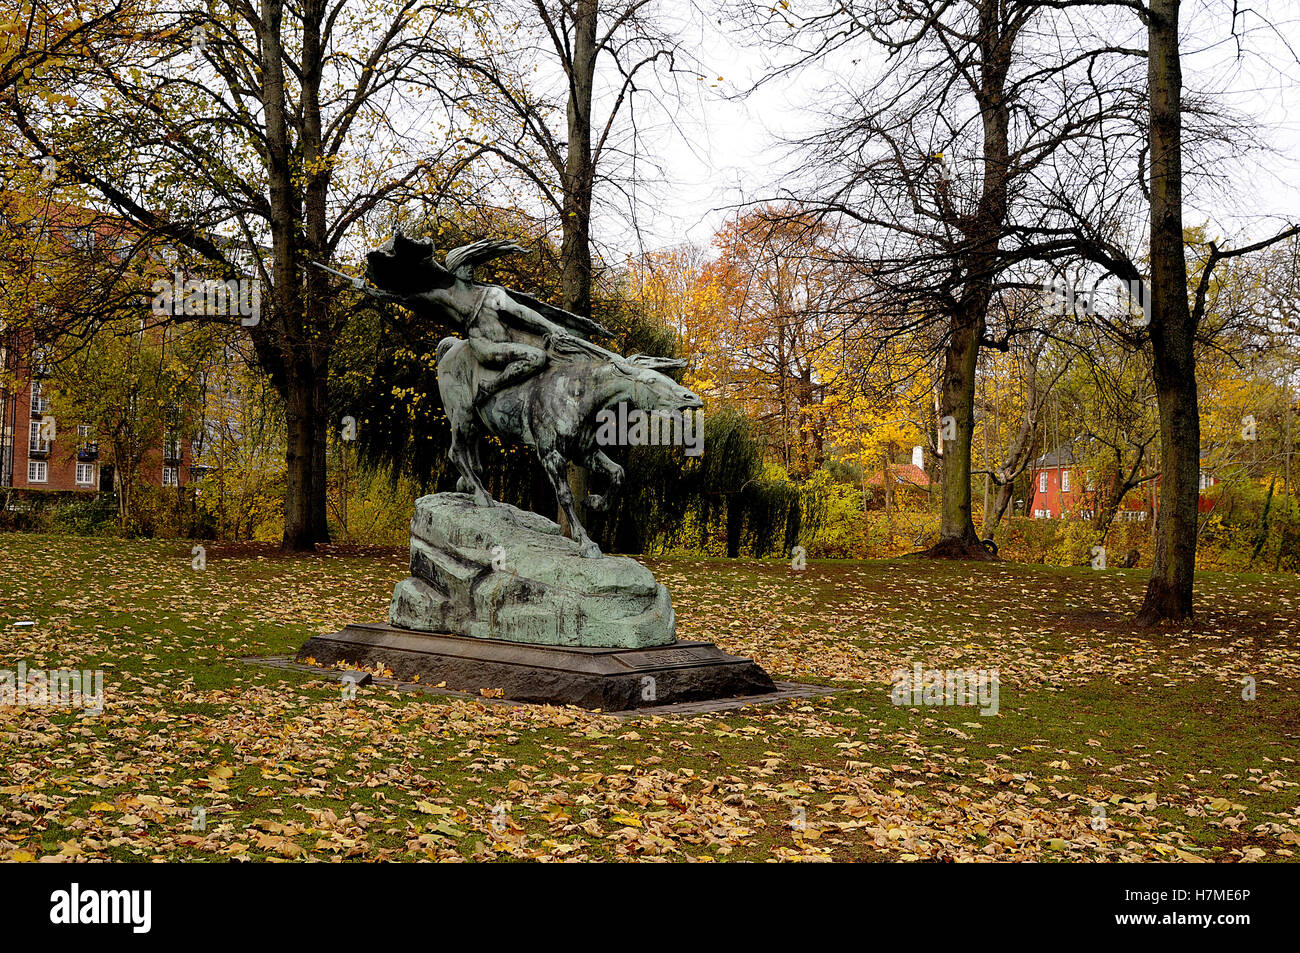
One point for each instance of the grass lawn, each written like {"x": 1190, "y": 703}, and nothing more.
{"x": 1108, "y": 743}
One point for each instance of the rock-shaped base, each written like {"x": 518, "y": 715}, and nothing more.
{"x": 499, "y": 572}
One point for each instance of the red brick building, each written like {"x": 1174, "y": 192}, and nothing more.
{"x": 907, "y": 480}
{"x": 1063, "y": 487}
{"x": 38, "y": 452}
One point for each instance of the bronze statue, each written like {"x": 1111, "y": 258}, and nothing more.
{"x": 525, "y": 369}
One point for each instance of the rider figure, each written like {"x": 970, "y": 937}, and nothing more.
{"x": 490, "y": 315}
{"x": 490, "y": 341}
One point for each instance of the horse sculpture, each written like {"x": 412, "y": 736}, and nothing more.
{"x": 497, "y": 602}
{"x": 526, "y": 370}
{"x": 554, "y": 412}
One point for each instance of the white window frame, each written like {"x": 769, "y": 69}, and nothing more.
{"x": 1065, "y": 481}
{"x": 1042, "y": 481}
{"x": 83, "y": 431}
{"x": 90, "y": 474}
{"x": 35, "y": 442}
{"x": 38, "y": 466}
{"x": 83, "y": 238}
{"x": 175, "y": 476}
{"x": 40, "y": 404}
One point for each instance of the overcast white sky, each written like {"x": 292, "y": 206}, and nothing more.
{"x": 725, "y": 151}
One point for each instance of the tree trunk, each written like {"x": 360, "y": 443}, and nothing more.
{"x": 305, "y": 484}
{"x": 579, "y": 177}
{"x": 1105, "y": 517}
{"x": 123, "y": 498}
{"x": 1005, "y": 476}
{"x": 887, "y": 484}
{"x": 578, "y": 182}
{"x": 1173, "y": 334}
{"x": 293, "y": 341}
{"x": 979, "y": 262}
{"x": 1262, "y": 536}
{"x": 1000, "y": 503}
{"x": 735, "y": 520}
{"x": 957, "y": 537}
{"x": 316, "y": 296}
{"x": 1118, "y": 488}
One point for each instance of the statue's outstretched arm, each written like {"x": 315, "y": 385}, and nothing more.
{"x": 574, "y": 323}
{"x": 530, "y": 319}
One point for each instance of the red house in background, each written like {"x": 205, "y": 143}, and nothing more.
{"x": 1063, "y": 486}
{"x": 905, "y": 478}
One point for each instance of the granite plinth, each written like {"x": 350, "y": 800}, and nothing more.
{"x": 606, "y": 678}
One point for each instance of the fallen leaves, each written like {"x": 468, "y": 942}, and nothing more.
{"x": 199, "y": 757}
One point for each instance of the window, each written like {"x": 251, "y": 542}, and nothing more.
{"x": 83, "y": 431}
{"x": 41, "y": 361}
{"x": 1206, "y": 480}
{"x": 85, "y": 474}
{"x": 82, "y": 238}
{"x": 171, "y": 445}
{"x": 36, "y": 442}
{"x": 39, "y": 403}
{"x": 1065, "y": 481}
{"x": 169, "y": 476}
{"x": 1042, "y": 482}
{"x": 37, "y": 471}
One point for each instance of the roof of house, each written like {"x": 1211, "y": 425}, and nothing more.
{"x": 1064, "y": 455}
{"x": 1071, "y": 454}
{"x": 905, "y": 473}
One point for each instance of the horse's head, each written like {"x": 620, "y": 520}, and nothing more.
{"x": 654, "y": 390}
{"x": 652, "y": 407}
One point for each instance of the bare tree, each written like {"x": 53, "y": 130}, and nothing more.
{"x": 948, "y": 161}
{"x": 256, "y": 136}
{"x": 1174, "y": 310}
{"x": 567, "y": 140}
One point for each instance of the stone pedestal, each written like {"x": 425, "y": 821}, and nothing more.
{"x": 499, "y": 572}
{"x": 498, "y": 599}
{"x": 611, "y": 679}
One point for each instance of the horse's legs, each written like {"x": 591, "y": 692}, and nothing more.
{"x": 598, "y": 462}
{"x": 460, "y": 455}
{"x": 556, "y": 468}
{"x": 455, "y": 384}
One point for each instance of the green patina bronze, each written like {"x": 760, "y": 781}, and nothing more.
{"x": 530, "y": 372}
